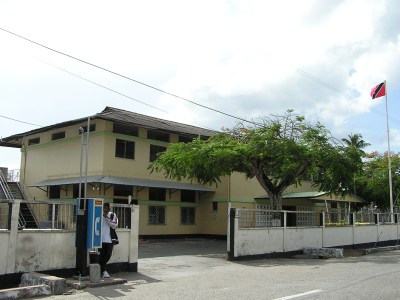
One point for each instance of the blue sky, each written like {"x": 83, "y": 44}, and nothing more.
{"x": 246, "y": 58}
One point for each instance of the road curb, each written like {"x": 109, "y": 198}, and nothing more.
{"x": 380, "y": 249}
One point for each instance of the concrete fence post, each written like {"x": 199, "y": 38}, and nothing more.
{"x": 323, "y": 228}
{"x": 232, "y": 229}
{"x": 134, "y": 239}
{"x": 284, "y": 230}
{"x": 12, "y": 238}
{"x": 377, "y": 218}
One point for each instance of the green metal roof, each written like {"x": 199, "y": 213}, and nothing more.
{"x": 314, "y": 196}
{"x": 296, "y": 195}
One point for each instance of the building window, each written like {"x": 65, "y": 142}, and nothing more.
{"x": 75, "y": 190}
{"x": 188, "y": 215}
{"x": 92, "y": 127}
{"x": 215, "y": 206}
{"x": 157, "y": 194}
{"x": 157, "y": 135}
{"x": 54, "y": 192}
{"x": 58, "y": 136}
{"x": 125, "y": 129}
{"x": 124, "y": 149}
{"x": 185, "y": 139}
{"x": 188, "y": 196}
{"x": 122, "y": 190}
{"x": 34, "y": 141}
{"x": 154, "y": 150}
{"x": 156, "y": 215}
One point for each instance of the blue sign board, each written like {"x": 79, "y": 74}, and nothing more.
{"x": 95, "y": 213}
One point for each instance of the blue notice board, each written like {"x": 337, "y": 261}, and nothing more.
{"x": 95, "y": 213}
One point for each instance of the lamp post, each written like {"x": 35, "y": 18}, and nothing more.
{"x": 81, "y": 216}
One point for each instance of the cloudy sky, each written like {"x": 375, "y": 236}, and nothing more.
{"x": 244, "y": 58}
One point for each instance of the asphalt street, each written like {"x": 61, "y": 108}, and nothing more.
{"x": 198, "y": 269}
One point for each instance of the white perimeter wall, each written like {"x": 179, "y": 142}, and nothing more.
{"x": 39, "y": 250}
{"x": 277, "y": 240}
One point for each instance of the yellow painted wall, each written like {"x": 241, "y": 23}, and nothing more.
{"x": 61, "y": 159}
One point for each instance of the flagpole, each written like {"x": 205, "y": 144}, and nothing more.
{"x": 389, "y": 157}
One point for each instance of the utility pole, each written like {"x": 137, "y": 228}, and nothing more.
{"x": 81, "y": 216}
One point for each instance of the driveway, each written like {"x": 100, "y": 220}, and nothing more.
{"x": 175, "y": 247}
{"x": 198, "y": 269}
{"x": 172, "y": 258}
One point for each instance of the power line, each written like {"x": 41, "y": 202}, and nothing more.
{"x": 20, "y": 121}
{"x": 304, "y": 73}
{"x": 104, "y": 87}
{"x": 128, "y": 78}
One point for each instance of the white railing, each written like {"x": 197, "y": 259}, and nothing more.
{"x": 264, "y": 218}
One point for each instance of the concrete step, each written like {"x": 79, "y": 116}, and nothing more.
{"x": 25, "y": 292}
{"x": 57, "y": 285}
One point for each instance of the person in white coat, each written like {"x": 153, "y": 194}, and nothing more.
{"x": 109, "y": 220}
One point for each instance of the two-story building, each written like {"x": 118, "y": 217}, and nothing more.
{"x": 120, "y": 146}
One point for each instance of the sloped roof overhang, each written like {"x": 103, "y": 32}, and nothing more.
{"x": 118, "y": 116}
{"x": 124, "y": 181}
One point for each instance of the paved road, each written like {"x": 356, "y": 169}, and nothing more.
{"x": 198, "y": 269}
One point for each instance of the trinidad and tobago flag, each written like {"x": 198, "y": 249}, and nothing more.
{"x": 379, "y": 90}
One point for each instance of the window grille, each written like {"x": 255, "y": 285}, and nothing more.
{"x": 188, "y": 215}
{"x": 305, "y": 219}
{"x": 156, "y": 215}
{"x": 263, "y": 218}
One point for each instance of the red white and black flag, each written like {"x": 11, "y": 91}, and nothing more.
{"x": 379, "y": 90}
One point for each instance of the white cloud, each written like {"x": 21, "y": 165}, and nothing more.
{"x": 245, "y": 58}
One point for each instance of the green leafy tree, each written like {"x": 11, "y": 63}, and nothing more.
{"x": 279, "y": 151}
{"x": 373, "y": 183}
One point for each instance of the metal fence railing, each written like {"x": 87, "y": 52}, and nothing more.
{"x": 337, "y": 218}
{"x": 260, "y": 218}
{"x": 50, "y": 215}
{"x": 56, "y": 215}
{"x": 123, "y": 212}
{"x": 5, "y": 189}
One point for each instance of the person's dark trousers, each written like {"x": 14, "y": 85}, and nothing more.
{"x": 105, "y": 255}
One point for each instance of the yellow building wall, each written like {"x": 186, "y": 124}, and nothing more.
{"x": 41, "y": 162}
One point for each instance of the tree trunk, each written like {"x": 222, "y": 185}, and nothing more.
{"x": 276, "y": 201}
{"x": 277, "y": 217}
